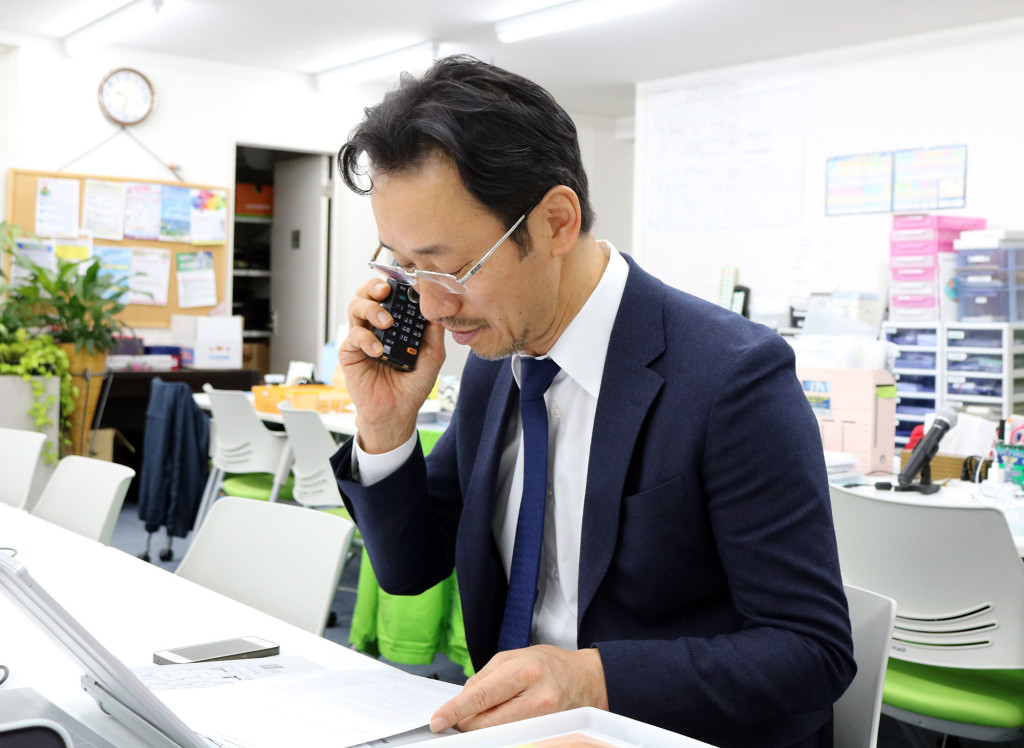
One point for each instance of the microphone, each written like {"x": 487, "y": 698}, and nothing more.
{"x": 921, "y": 457}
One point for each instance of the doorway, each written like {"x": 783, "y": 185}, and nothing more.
{"x": 281, "y": 254}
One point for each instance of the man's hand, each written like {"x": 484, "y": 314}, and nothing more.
{"x": 386, "y": 400}
{"x": 525, "y": 683}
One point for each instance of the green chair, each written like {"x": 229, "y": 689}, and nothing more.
{"x": 249, "y": 460}
{"x": 956, "y": 664}
{"x": 410, "y": 629}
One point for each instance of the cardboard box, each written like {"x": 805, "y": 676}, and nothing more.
{"x": 254, "y": 200}
{"x": 256, "y": 356}
{"x": 208, "y": 342}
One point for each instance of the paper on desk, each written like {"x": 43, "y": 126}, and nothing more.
{"x": 331, "y": 707}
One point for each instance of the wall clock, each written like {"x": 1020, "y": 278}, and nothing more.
{"x": 126, "y": 96}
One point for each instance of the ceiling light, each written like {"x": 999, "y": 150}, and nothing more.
{"x": 413, "y": 59}
{"x": 116, "y": 25}
{"x": 569, "y": 16}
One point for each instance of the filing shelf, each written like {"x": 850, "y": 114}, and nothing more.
{"x": 978, "y": 367}
{"x": 918, "y": 357}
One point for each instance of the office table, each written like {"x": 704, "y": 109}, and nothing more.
{"x": 955, "y": 493}
{"x": 133, "y": 608}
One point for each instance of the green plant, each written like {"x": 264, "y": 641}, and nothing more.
{"x": 32, "y": 356}
{"x": 72, "y": 305}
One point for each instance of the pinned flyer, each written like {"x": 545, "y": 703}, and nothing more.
{"x": 197, "y": 281}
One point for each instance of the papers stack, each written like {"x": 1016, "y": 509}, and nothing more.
{"x": 841, "y": 467}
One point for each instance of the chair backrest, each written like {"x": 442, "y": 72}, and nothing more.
{"x": 954, "y": 571}
{"x": 85, "y": 495}
{"x": 242, "y": 443}
{"x": 312, "y": 447}
{"x": 20, "y": 455}
{"x": 856, "y": 714}
{"x": 282, "y": 559}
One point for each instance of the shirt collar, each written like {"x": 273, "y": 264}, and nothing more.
{"x": 582, "y": 347}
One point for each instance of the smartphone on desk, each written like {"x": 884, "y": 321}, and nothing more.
{"x": 403, "y": 339}
{"x": 241, "y": 648}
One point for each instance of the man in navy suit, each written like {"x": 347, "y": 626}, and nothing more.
{"x": 688, "y": 569}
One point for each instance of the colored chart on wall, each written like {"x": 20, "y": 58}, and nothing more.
{"x": 930, "y": 178}
{"x": 859, "y": 184}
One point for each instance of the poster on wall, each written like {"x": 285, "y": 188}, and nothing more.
{"x": 175, "y": 213}
{"x": 151, "y": 276}
{"x": 57, "y": 207}
{"x": 142, "y": 211}
{"x": 930, "y": 178}
{"x": 103, "y": 209}
{"x": 197, "y": 281}
{"x": 209, "y": 216}
{"x": 858, "y": 184}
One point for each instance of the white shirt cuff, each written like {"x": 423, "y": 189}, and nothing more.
{"x": 370, "y": 468}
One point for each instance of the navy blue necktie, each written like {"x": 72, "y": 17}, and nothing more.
{"x": 535, "y": 377}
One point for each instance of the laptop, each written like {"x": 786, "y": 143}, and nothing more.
{"x": 116, "y": 688}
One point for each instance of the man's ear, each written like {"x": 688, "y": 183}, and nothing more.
{"x": 559, "y": 210}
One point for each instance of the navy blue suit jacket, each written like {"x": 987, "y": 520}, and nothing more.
{"x": 708, "y": 578}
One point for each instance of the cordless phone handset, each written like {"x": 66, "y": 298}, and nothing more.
{"x": 403, "y": 339}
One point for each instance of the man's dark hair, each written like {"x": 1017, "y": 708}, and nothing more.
{"x": 508, "y": 137}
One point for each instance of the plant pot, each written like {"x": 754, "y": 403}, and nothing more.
{"x": 87, "y": 371}
{"x": 16, "y": 396}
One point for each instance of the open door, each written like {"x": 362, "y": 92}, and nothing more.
{"x": 298, "y": 257}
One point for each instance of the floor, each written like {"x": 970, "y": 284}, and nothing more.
{"x": 130, "y": 536}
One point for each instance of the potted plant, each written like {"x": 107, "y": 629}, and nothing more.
{"x": 33, "y": 369}
{"x": 78, "y": 306}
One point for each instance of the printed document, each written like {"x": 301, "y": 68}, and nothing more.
{"x": 327, "y": 707}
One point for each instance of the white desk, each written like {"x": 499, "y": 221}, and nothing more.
{"x": 956, "y": 493}
{"x": 133, "y": 608}
{"x": 342, "y": 424}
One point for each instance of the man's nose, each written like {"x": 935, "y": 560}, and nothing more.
{"x": 436, "y": 302}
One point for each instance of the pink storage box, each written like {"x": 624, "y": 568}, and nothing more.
{"x": 942, "y": 236}
{"x": 913, "y": 307}
{"x": 919, "y": 247}
{"x": 913, "y": 261}
{"x": 904, "y": 274}
{"x": 946, "y": 223}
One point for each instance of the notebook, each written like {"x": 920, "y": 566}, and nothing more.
{"x": 235, "y": 714}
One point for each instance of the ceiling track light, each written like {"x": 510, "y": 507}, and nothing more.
{"x": 416, "y": 58}
{"x": 569, "y": 15}
{"x": 115, "y": 25}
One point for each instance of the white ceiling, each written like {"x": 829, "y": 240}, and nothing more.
{"x": 590, "y": 70}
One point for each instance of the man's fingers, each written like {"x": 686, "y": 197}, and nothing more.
{"x": 476, "y": 698}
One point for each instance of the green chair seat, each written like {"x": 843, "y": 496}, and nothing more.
{"x": 987, "y": 698}
{"x": 256, "y": 486}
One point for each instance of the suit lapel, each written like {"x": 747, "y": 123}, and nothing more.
{"x": 628, "y": 388}
{"x": 482, "y": 582}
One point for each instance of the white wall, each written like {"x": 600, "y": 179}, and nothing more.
{"x": 49, "y": 119}
{"x": 951, "y": 88}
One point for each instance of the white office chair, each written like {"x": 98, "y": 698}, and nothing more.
{"x": 242, "y": 444}
{"x": 856, "y": 714}
{"x": 21, "y": 452}
{"x": 958, "y": 582}
{"x": 284, "y": 560}
{"x": 312, "y": 447}
{"x": 85, "y": 495}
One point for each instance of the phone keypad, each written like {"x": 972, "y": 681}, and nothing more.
{"x": 402, "y": 340}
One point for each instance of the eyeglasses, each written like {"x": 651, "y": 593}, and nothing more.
{"x": 447, "y": 281}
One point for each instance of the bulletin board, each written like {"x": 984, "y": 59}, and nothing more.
{"x": 21, "y": 210}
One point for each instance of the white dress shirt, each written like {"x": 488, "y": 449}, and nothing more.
{"x": 571, "y": 402}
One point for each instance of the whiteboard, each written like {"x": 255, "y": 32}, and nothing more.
{"x": 731, "y": 164}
